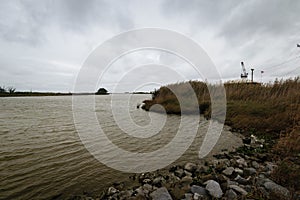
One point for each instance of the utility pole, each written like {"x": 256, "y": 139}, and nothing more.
{"x": 252, "y": 75}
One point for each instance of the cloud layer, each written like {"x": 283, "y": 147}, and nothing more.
{"x": 43, "y": 44}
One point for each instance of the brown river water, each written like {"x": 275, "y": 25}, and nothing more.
{"x": 42, "y": 156}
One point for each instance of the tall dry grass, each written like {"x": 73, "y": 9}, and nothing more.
{"x": 254, "y": 108}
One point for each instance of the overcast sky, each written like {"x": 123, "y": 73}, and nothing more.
{"x": 43, "y": 44}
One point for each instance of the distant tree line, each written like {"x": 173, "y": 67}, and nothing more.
{"x": 9, "y": 90}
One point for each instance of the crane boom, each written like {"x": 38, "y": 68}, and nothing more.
{"x": 244, "y": 74}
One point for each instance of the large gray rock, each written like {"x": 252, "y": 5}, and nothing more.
{"x": 161, "y": 194}
{"x": 277, "y": 190}
{"x": 228, "y": 171}
{"x": 213, "y": 188}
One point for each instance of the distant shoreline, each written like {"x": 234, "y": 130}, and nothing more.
{"x": 41, "y": 94}
{"x": 34, "y": 94}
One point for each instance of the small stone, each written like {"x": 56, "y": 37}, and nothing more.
{"x": 241, "y": 180}
{"x": 214, "y": 188}
{"x": 198, "y": 189}
{"x": 220, "y": 167}
{"x": 248, "y": 188}
{"x": 239, "y": 171}
{"x": 262, "y": 157}
{"x": 179, "y": 173}
{"x": 111, "y": 191}
{"x": 187, "y": 180}
{"x": 173, "y": 168}
{"x": 208, "y": 177}
{"x": 188, "y": 196}
{"x": 147, "y": 187}
{"x": 191, "y": 167}
{"x": 197, "y": 196}
{"x": 228, "y": 171}
{"x": 137, "y": 197}
{"x": 263, "y": 191}
{"x": 249, "y": 171}
{"x": 270, "y": 167}
{"x": 147, "y": 180}
{"x": 247, "y": 140}
{"x": 224, "y": 162}
{"x": 242, "y": 162}
{"x": 215, "y": 162}
{"x": 261, "y": 180}
{"x": 231, "y": 195}
{"x": 255, "y": 164}
{"x": 158, "y": 181}
{"x": 125, "y": 194}
{"x": 238, "y": 189}
{"x": 188, "y": 173}
{"x": 229, "y": 182}
{"x": 140, "y": 190}
{"x": 202, "y": 169}
{"x": 161, "y": 194}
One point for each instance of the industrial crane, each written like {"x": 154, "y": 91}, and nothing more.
{"x": 244, "y": 74}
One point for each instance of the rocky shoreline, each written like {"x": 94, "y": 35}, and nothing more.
{"x": 245, "y": 173}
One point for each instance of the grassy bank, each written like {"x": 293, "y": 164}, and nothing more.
{"x": 252, "y": 108}
{"x": 270, "y": 111}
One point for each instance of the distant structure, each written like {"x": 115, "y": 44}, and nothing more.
{"x": 298, "y": 45}
{"x": 252, "y": 75}
{"x": 244, "y": 74}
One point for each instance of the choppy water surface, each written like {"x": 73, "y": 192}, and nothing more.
{"x": 42, "y": 157}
